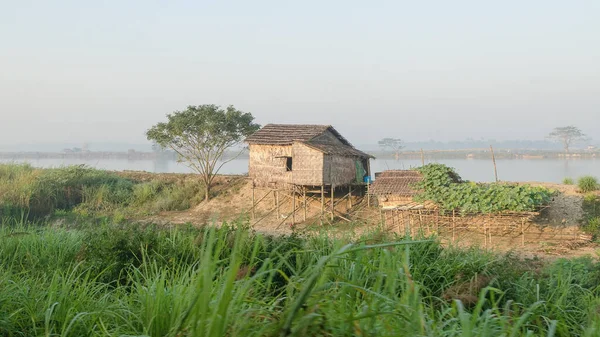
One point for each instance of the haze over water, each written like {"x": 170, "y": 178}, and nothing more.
{"x": 542, "y": 170}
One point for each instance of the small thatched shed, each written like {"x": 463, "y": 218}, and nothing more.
{"x": 396, "y": 189}
{"x": 282, "y": 155}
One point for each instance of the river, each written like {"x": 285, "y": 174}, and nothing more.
{"x": 546, "y": 170}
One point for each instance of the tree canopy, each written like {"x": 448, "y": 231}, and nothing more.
{"x": 201, "y": 134}
{"x": 394, "y": 144}
{"x": 567, "y": 135}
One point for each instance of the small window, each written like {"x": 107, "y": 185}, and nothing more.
{"x": 288, "y": 163}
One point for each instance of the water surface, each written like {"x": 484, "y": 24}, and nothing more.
{"x": 547, "y": 170}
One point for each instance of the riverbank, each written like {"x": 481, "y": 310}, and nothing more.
{"x": 80, "y": 193}
{"x": 85, "y": 251}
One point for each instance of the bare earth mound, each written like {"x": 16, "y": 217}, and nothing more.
{"x": 233, "y": 201}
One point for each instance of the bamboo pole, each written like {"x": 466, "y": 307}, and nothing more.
{"x": 253, "y": 202}
{"x": 349, "y": 196}
{"x": 490, "y": 230}
{"x": 304, "y": 202}
{"x": 322, "y": 200}
{"x": 523, "y": 232}
{"x": 403, "y": 223}
{"x": 422, "y": 158}
{"x": 494, "y": 161}
{"x": 332, "y": 203}
{"x": 368, "y": 195}
{"x": 277, "y": 204}
{"x": 294, "y": 206}
{"x": 453, "y": 225}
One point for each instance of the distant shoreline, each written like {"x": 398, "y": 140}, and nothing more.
{"x": 427, "y": 155}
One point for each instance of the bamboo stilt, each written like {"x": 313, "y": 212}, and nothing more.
{"x": 332, "y": 202}
{"x": 253, "y": 203}
{"x": 453, "y": 226}
{"x": 304, "y": 201}
{"x": 277, "y": 204}
{"x": 294, "y": 206}
{"x": 322, "y": 203}
{"x": 349, "y": 197}
{"x": 523, "y": 232}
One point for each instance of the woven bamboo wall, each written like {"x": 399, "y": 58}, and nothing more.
{"x": 338, "y": 170}
{"x": 267, "y": 165}
{"x": 307, "y": 165}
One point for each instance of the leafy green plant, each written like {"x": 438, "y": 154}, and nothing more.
{"x": 568, "y": 181}
{"x": 587, "y": 184}
{"x": 443, "y": 186}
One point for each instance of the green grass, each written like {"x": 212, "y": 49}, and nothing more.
{"x": 117, "y": 280}
{"x": 568, "y": 181}
{"x": 587, "y": 184}
{"x": 38, "y": 193}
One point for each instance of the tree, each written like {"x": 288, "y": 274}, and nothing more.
{"x": 567, "y": 135}
{"x": 201, "y": 134}
{"x": 394, "y": 144}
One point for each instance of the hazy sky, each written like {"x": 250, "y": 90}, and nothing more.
{"x": 105, "y": 71}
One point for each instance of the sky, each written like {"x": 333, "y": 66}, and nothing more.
{"x": 106, "y": 71}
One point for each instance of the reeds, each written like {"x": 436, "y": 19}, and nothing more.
{"x": 39, "y": 193}
{"x": 233, "y": 282}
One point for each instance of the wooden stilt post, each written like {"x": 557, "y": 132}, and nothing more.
{"x": 403, "y": 223}
{"x": 322, "y": 200}
{"x": 304, "y": 201}
{"x": 332, "y": 202}
{"x": 277, "y": 204}
{"x": 453, "y": 225}
{"x": 349, "y": 196}
{"x": 422, "y": 158}
{"x": 494, "y": 161}
{"x": 293, "y": 205}
{"x": 490, "y": 231}
{"x": 485, "y": 233}
{"x": 523, "y": 232}
{"x": 253, "y": 202}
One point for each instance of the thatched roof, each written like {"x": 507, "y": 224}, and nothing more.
{"x": 396, "y": 182}
{"x": 338, "y": 150}
{"x": 286, "y": 134}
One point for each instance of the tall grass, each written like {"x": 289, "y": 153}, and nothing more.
{"x": 232, "y": 282}
{"x": 587, "y": 184}
{"x": 39, "y": 193}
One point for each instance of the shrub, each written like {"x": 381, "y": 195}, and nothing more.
{"x": 443, "y": 186}
{"x": 568, "y": 181}
{"x": 587, "y": 184}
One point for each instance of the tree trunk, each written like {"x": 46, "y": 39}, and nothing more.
{"x": 206, "y": 191}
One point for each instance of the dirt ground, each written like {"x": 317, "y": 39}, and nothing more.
{"x": 233, "y": 201}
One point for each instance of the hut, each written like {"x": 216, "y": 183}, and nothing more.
{"x": 395, "y": 189}
{"x": 287, "y": 155}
